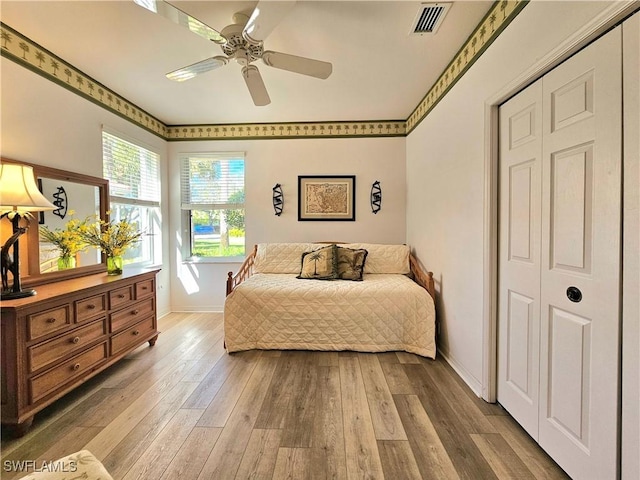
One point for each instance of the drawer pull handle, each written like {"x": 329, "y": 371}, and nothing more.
{"x": 91, "y": 306}
{"x": 51, "y": 320}
{"x": 121, "y": 295}
{"x": 76, "y": 366}
{"x": 136, "y": 332}
{"x": 75, "y": 339}
{"x": 145, "y": 288}
{"x": 135, "y": 312}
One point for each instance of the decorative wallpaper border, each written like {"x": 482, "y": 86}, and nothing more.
{"x": 494, "y": 22}
{"x": 32, "y": 56}
{"x": 236, "y": 131}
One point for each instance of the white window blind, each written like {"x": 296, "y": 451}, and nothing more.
{"x": 133, "y": 171}
{"x": 212, "y": 181}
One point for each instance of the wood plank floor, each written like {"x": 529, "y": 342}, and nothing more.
{"x": 186, "y": 409}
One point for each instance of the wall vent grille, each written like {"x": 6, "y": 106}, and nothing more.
{"x": 429, "y": 18}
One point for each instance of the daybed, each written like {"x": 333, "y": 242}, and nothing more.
{"x": 269, "y": 305}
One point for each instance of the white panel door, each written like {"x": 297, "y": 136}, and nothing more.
{"x": 519, "y": 269}
{"x": 580, "y": 278}
{"x": 559, "y": 272}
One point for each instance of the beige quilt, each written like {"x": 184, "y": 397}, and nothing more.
{"x": 384, "y": 312}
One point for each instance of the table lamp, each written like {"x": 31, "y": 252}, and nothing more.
{"x": 19, "y": 196}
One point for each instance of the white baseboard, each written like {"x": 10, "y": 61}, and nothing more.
{"x": 200, "y": 308}
{"x": 469, "y": 379}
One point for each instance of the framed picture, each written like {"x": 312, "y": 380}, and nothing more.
{"x": 329, "y": 197}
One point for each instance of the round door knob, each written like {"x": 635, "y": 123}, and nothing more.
{"x": 75, "y": 339}
{"x": 121, "y": 295}
{"x": 76, "y": 366}
{"x": 135, "y": 312}
{"x": 51, "y": 320}
{"x": 136, "y": 332}
{"x": 91, "y": 306}
{"x": 574, "y": 294}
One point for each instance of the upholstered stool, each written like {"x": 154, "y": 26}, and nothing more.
{"x": 81, "y": 464}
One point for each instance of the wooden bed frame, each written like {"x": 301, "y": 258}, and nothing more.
{"x": 422, "y": 278}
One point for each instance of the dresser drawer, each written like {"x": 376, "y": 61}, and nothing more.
{"x": 42, "y": 323}
{"x": 120, "y": 296}
{"x": 90, "y": 307}
{"x": 45, "y": 353}
{"x": 46, "y": 383}
{"x": 145, "y": 288}
{"x": 132, "y": 314}
{"x": 131, "y": 335}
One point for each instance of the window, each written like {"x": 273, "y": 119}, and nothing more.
{"x": 212, "y": 191}
{"x": 134, "y": 193}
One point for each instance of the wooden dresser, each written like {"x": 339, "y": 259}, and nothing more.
{"x": 67, "y": 333}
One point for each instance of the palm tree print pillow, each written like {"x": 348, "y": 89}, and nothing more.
{"x": 321, "y": 264}
{"x": 351, "y": 263}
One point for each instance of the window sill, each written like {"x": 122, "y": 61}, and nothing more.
{"x": 205, "y": 260}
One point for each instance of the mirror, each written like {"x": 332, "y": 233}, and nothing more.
{"x": 76, "y": 196}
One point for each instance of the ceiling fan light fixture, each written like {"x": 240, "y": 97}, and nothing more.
{"x": 242, "y": 41}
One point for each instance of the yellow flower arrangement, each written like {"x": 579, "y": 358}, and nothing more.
{"x": 68, "y": 240}
{"x": 112, "y": 238}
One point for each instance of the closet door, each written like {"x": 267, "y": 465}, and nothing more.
{"x": 519, "y": 269}
{"x": 559, "y": 272}
{"x": 580, "y": 278}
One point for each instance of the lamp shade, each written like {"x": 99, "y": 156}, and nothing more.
{"x": 18, "y": 190}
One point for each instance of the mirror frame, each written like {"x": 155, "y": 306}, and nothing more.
{"x": 33, "y": 276}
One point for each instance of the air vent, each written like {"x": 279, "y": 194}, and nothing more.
{"x": 429, "y": 18}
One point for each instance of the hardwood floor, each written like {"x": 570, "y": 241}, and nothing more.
{"x": 186, "y": 409}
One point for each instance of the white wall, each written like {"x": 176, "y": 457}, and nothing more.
{"x": 200, "y": 286}
{"x": 45, "y": 124}
{"x": 446, "y": 178}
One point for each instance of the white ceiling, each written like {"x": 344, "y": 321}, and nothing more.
{"x": 380, "y": 72}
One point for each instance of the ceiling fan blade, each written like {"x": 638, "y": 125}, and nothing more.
{"x": 265, "y": 17}
{"x": 197, "y": 68}
{"x": 256, "y": 86}
{"x": 293, "y": 63}
{"x": 183, "y": 19}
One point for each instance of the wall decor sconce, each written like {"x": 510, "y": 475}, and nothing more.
{"x": 376, "y": 197}
{"x": 278, "y": 199}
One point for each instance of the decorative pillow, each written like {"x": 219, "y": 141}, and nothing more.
{"x": 351, "y": 263}
{"x": 384, "y": 258}
{"x": 280, "y": 257}
{"x": 320, "y": 264}
{"x": 81, "y": 464}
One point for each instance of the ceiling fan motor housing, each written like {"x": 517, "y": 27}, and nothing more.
{"x": 237, "y": 47}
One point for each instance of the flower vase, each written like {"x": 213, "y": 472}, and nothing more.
{"x": 66, "y": 262}
{"x": 114, "y": 265}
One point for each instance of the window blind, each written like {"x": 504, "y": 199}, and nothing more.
{"x": 133, "y": 171}
{"x": 212, "y": 181}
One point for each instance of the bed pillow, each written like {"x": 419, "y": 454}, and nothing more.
{"x": 384, "y": 258}
{"x": 351, "y": 263}
{"x": 320, "y": 264}
{"x": 280, "y": 257}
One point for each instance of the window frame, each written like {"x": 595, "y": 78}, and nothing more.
{"x": 187, "y": 207}
{"x": 153, "y": 219}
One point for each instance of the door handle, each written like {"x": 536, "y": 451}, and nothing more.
{"x": 574, "y": 294}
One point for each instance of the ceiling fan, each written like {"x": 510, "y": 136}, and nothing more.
{"x": 242, "y": 41}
